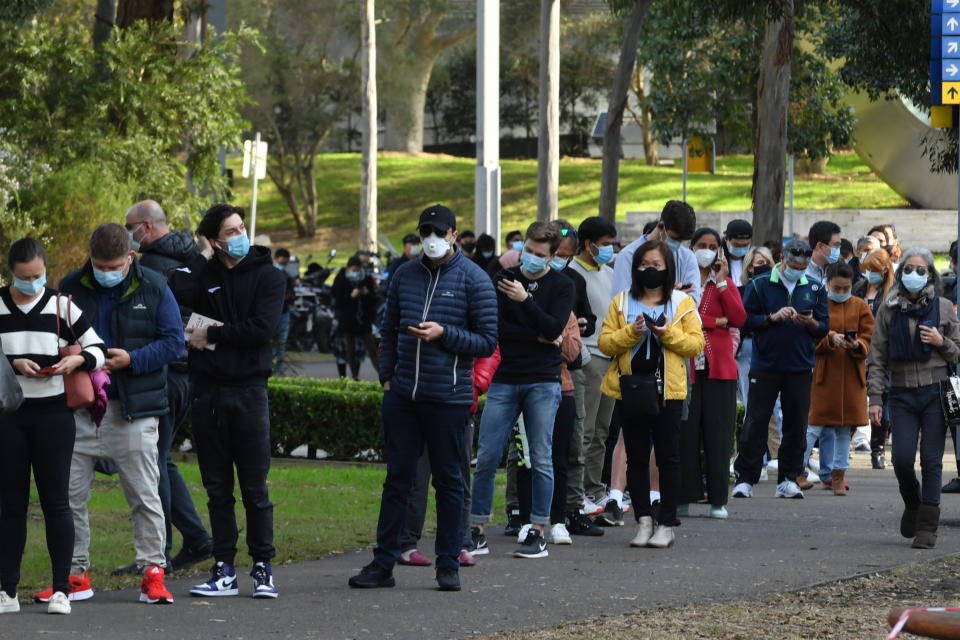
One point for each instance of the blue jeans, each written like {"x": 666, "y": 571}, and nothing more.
{"x": 916, "y": 414}
{"x": 538, "y": 402}
{"x": 834, "y": 448}
{"x": 408, "y": 426}
{"x": 280, "y": 338}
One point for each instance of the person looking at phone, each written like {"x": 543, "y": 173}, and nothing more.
{"x": 787, "y": 313}
{"x": 40, "y": 434}
{"x": 838, "y": 398}
{"x": 649, "y": 331}
{"x": 916, "y": 338}
{"x": 535, "y": 303}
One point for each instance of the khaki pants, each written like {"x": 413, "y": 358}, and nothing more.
{"x": 133, "y": 448}
{"x": 598, "y": 409}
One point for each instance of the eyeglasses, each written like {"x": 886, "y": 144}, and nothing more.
{"x": 566, "y": 232}
{"x": 909, "y": 268}
{"x": 426, "y": 230}
{"x": 134, "y": 226}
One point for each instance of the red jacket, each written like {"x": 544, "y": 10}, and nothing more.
{"x": 719, "y": 348}
{"x": 483, "y": 370}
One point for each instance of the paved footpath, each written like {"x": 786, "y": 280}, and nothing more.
{"x": 767, "y": 545}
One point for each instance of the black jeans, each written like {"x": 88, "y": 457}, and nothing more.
{"x": 916, "y": 414}
{"x": 417, "y": 509}
{"x": 794, "y": 392}
{"x": 562, "y": 432}
{"x": 713, "y": 412}
{"x": 350, "y": 351}
{"x": 408, "y": 425}
{"x": 178, "y": 508}
{"x": 665, "y": 430}
{"x": 40, "y": 437}
{"x": 231, "y": 427}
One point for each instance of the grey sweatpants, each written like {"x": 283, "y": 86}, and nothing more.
{"x": 133, "y": 448}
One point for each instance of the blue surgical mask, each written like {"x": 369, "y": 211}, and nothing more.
{"x": 354, "y": 275}
{"x": 487, "y": 254}
{"x": 517, "y": 245}
{"x": 863, "y": 256}
{"x": 673, "y": 244}
{"x": 839, "y": 297}
{"x": 280, "y": 267}
{"x": 30, "y": 287}
{"x": 791, "y": 274}
{"x": 739, "y": 252}
{"x": 873, "y": 277}
{"x": 531, "y": 263}
{"x": 108, "y": 279}
{"x": 834, "y": 256}
{"x": 238, "y": 246}
{"x": 914, "y": 282}
{"x": 604, "y": 254}
{"x": 558, "y": 264}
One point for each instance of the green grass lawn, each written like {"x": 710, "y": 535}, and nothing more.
{"x": 319, "y": 509}
{"x": 407, "y": 184}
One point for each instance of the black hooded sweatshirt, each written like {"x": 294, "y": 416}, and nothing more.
{"x": 247, "y": 300}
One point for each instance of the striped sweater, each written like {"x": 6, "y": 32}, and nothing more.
{"x": 33, "y": 335}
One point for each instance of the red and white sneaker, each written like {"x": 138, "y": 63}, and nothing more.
{"x": 152, "y": 589}
{"x": 79, "y": 589}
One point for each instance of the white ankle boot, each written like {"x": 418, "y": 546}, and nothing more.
{"x": 662, "y": 538}
{"x": 644, "y": 532}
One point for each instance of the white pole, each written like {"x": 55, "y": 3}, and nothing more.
{"x": 253, "y": 205}
{"x": 790, "y": 165}
{"x": 368, "y": 126}
{"x": 487, "y": 175}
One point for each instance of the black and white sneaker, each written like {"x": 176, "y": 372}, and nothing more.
{"x": 611, "y": 516}
{"x": 534, "y": 546}
{"x": 580, "y": 525}
{"x": 479, "y": 541}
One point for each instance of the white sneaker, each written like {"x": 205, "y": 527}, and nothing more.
{"x": 773, "y": 465}
{"x": 590, "y": 508}
{"x": 662, "y": 538}
{"x": 559, "y": 534}
{"x": 763, "y": 475}
{"x": 814, "y": 465}
{"x": 58, "y": 603}
{"x": 788, "y": 489}
{"x": 743, "y": 490}
{"x": 602, "y": 502}
{"x": 524, "y": 530}
{"x": 644, "y": 532}
{"x": 9, "y": 604}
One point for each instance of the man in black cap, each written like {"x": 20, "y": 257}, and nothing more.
{"x": 411, "y": 251}
{"x": 441, "y": 313}
{"x": 467, "y": 242}
{"x": 738, "y": 237}
{"x": 787, "y": 313}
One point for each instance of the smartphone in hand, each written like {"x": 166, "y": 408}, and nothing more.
{"x": 851, "y": 335}
{"x": 47, "y": 371}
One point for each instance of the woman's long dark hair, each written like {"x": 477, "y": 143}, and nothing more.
{"x": 636, "y": 288}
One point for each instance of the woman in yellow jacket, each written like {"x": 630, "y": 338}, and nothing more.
{"x": 649, "y": 375}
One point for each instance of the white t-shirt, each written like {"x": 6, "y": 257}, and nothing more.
{"x": 26, "y": 308}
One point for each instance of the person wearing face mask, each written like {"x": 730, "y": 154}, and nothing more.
{"x": 535, "y": 305}
{"x": 356, "y": 306}
{"x": 485, "y": 252}
{"x": 838, "y": 399}
{"x": 40, "y": 433}
{"x": 737, "y": 240}
{"x": 510, "y": 257}
{"x": 596, "y": 236}
{"x": 649, "y": 375}
{"x": 916, "y": 339}
{"x": 677, "y": 223}
{"x": 713, "y": 403}
{"x": 467, "y": 241}
{"x": 440, "y": 315}
{"x": 787, "y": 313}
{"x": 133, "y": 310}
{"x": 235, "y": 285}
{"x": 865, "y": 245}
{"x": 411, "y": 251}
{"x": 824, "y": 239}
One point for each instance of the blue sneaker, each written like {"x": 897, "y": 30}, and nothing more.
{"x": 223, "y": 582}
{"x": 263, "y": 581}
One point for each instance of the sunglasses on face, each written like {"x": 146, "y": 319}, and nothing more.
{"x": 426, "y": 230}
{"x": 566, "y": 232}
{"x": 921, "y": 271}
{"x": 801, "y": 253}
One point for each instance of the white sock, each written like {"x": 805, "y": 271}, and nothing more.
{"x": 654, "y": 496}
{"x": 616, "y": 494}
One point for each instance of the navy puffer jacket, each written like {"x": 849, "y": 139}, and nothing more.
{"x": 460, "y": 297}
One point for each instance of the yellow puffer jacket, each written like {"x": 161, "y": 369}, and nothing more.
{"x": 684, "y": 339}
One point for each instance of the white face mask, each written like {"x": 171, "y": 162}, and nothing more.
{"x": 705, "y": 257}
{"x": 435, "y": 246}
{"x": 415, "y": 250}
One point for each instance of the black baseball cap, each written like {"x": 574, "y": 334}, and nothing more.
{"x": 411, "y": 238}
{"x": 439, "y": 217}
{"x": 739, "y": 230}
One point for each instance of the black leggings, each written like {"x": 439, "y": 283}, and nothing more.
{"x": 41, "y": 437}
{"x": 562, "y": 432}
{"x": 665, "y": 433}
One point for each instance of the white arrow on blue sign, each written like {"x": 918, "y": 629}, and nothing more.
{"x": 950, "y": 47}
{"x": 950, "y": 23}
{"x": 950, "y": 70}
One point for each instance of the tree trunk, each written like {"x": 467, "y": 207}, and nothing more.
{"x": 310, "y": 196}
{"x": 651, "y": 149}
{"x": 548, "y": 156}
{"x": 368, "y": 128}
{"x": 404, "y": 113}
{"x": 129, "y": 11}
{"x": 103, "y": 21}
{"x": 286, "y": 192}
{"x": 618, "y": 100}
{"x": 770, "y": 136}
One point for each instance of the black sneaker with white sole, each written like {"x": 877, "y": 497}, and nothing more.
{"x": 580, "y": 525}
{"x": 479, "y": 541}
{"x": 611, "y": 516}
{"x": 534, "y": 546}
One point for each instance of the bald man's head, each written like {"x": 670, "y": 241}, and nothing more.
{"x": 146, "y": 222}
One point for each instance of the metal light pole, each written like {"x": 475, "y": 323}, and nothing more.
{"x": 487, "y": 176}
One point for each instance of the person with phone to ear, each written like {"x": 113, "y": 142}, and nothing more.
{"x": 838, "y": 399}
{"x": 916, "y": 340}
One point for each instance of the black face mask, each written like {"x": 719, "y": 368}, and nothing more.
{"x": 468, "y": 247}
{"x": 651, "y": 278}
{"x": 762, "y": 269}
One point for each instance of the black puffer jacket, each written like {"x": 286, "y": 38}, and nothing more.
{"x": 168, "y": 252}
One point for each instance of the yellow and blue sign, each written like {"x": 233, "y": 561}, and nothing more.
{"x": 945, "y": 52}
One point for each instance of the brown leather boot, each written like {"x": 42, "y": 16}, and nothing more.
{"x": 836, "y": 481}
{"x": 803, "y": 483}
